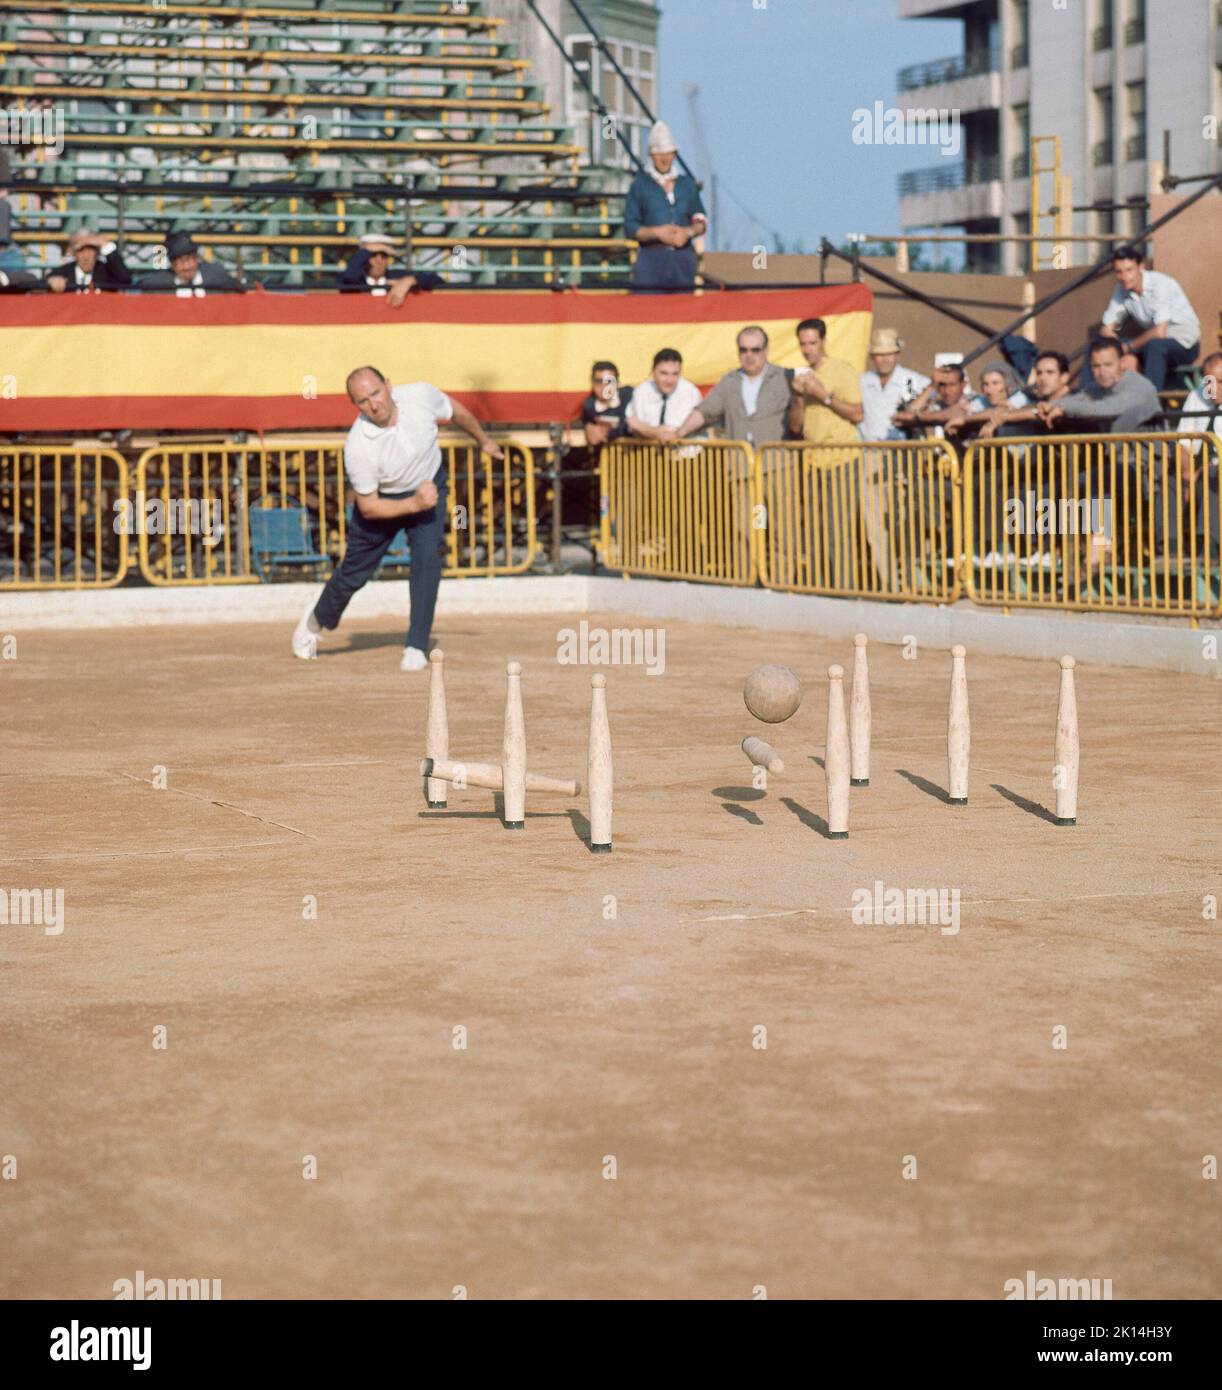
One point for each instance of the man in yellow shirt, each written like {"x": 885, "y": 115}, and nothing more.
{"x": 825, "y": 408}
{"x": 826, "y": 404}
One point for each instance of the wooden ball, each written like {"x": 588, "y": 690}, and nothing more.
{"x": 772, "y": 693}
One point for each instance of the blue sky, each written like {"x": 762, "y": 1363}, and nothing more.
{"x": 778, "y": 87}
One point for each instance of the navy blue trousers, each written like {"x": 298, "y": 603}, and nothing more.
{"x": 368, "y": 542}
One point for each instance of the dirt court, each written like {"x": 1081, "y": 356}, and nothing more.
{"x": 736, "y": 1166}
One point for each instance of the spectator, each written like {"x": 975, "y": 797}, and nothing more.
{"x": 662, "y": 402}
{"x": 826, "y": 404}
{"x": 188, "y": 276}
{"x": 604, "y": 410}
{"x": 1170, "y": 333}
{"x": 753, "y": 401}
{"x": 662, "y": 213}
{"x": 368, "y": 271}
{"x": 1051, "y": 384}
{"x": 1207, "y": 400}
{"x": 887, "y": 387}
{"x": 950, "y": 408}
{"x": 1127, "y": 400}
{"x": 1203, "y": 404}
{"x": 96, "y": 265}
{"x": 11, "y": 259}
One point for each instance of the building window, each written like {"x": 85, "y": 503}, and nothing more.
{"x": 1103, "y": 153}
{"x": 1103, "y": 38}
{"x": 638, "y": 63}
{"x": 1019, "y": 54}
{"x": 1135, "y": 29}
{"x": 1135, "y": 117}
{"x": 1021, "y": 125}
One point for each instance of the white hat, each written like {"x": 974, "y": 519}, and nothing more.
{"x": 661, "y": 141}
{"x": 374, "y": 239}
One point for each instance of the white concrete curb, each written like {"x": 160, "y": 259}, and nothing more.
{"x": 1089, "y": 637}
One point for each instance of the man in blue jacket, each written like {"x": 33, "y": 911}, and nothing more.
{"x": 663, "y": 213}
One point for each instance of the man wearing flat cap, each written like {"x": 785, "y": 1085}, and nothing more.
{"x": 663, "y": 213}
{"x": 95, "y": 266}
{"x": 189, "y": 277}
{"x": 369, "y": 272}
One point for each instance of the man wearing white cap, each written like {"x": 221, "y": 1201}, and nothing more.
{"x": 369, "y": 272}
{"x": 662, "y": 213}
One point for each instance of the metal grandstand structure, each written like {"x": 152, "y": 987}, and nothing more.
{"x": 279, "y": 133}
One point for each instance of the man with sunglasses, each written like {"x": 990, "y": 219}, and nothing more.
{"x": 751, "y": 403}
{"x": 604, "y": 411}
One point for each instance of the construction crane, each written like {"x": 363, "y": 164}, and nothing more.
{"x": 692, "y": 92}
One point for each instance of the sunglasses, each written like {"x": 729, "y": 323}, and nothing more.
{"x": 752, "y": 349}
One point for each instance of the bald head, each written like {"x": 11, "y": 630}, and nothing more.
{"x": 370, "y": 392}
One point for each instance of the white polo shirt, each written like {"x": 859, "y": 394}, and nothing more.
{"x": 879, "y": 403}
{"x": 1161, "y": 301}
{"x": 646, "y": 403}
{"x": 1194, "y": 402}
{"x": 404, "y": 455}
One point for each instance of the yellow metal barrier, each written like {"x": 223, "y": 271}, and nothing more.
{"x": 679, "y": 511}
{"x": 59, "y": 525}
{"x": 861, "y": 520}
{"x": 1112, "y": 523}
{"x": 238, "y": 514}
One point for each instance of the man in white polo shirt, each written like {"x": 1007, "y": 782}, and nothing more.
{"x": 1170, "y": 331}
{"x": 393, "y": 463}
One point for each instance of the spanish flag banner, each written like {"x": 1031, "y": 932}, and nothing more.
{"x": 279, "y": 361}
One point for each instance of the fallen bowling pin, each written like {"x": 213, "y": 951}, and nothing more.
{"x": 437, "y": 731}
{"x": 958, "y": 729}
{"x": 513, "y": 751}
{"x": 762, "y": 754}
{"x": 598, "y": 768}
{"x": 1065, "y": 751}
{"x": 489, "y": 775}
{"x": 836, "y": 757}
{"x": 859, "y": 715}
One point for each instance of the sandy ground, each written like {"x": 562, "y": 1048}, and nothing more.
{"x": 590, "y": 1036}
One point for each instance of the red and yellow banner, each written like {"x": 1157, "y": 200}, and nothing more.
{"x": 278, "y": 361}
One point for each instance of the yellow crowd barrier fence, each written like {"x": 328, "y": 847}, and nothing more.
{"x": 1111, "y": 523}
{"x": 58, "y": 518}
{"x": 681, "y": 511}
{"x": 876, "y": 521}
{"x": 238, "y": 514}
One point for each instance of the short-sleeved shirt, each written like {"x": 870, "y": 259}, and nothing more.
{"x": 1194, "y": 403}
{"x": 596, "y": 412}
{"x": 400, "y": 457}
{"x": 820, "y": 423}
{"x": 1161, "y": 300}
{"x": 651, "y": 407}
{"x": 879, "y": 403}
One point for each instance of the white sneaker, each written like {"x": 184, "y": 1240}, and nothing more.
{"x": 413, "y": 659}
{"x": 306, "y": 635}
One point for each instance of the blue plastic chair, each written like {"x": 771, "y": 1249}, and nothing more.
{"x": 281, "y": 536}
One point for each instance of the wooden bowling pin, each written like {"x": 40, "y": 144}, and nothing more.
{"x": 437, "y": 731}
{"x": 958, "y": 729}
{"x": 598, "y": 768}
{"x": 1065, "y": 772}
{"x": 836, "y": 757}
{"x": 513, "y": 751}
{"x": 859, "y": 715}
{"x": 762, "y": 754}
{"x": 489, "y": 775}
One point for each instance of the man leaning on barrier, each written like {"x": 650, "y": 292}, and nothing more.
{"x": 1202, "y": 414}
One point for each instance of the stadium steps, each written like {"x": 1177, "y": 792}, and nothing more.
{"x": 304, "y": 130}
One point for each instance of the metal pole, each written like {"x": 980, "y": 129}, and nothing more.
{"x": 1089, "y": 274}
{"x": 827, "y": 249}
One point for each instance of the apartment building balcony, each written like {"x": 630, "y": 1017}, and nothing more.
{"x": 921, "y": 9}
{"x": 963, "y": 82}
{"x": 951, "y": 192}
